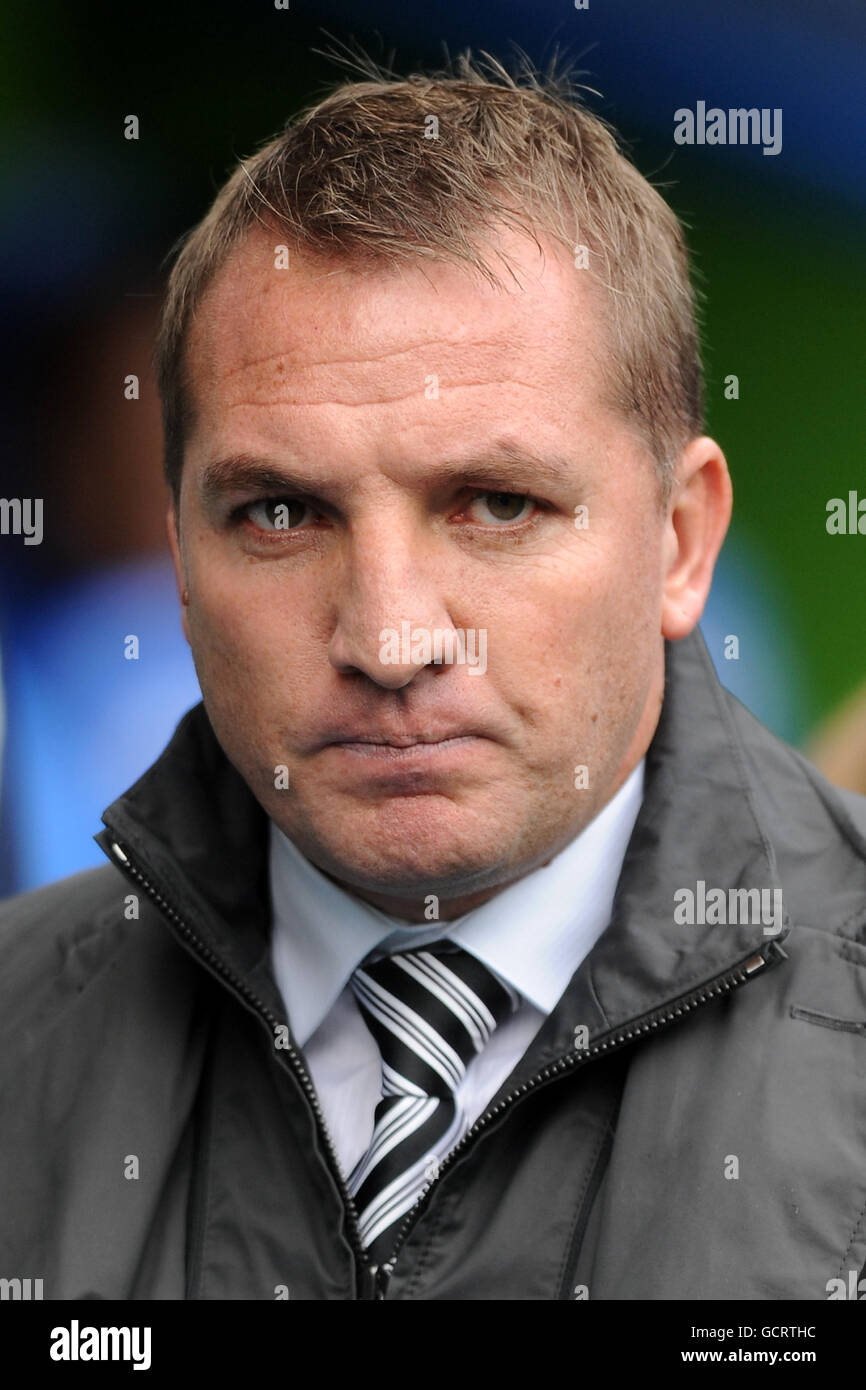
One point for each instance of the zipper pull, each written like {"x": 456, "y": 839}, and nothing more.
{"x": 379, "y": 1277}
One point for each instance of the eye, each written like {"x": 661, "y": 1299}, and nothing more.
{"x": 505, "y": 507}
{"x": 276, "y": 513}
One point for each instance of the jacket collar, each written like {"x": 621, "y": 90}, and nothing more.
{"x": 196, "y": 832}
{"x": 698, "y": 823}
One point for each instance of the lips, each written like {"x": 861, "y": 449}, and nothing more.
{"x": 401, "y": 740}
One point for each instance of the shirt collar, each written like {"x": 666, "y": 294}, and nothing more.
{"x": 534, "y": 933}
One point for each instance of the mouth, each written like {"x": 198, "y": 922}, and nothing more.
{"x": 404, "y": 747}
{"x": 396, "y": 735}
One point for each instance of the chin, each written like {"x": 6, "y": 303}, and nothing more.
{"x": 403, "y": 862}
{"x": 445, "y": 883}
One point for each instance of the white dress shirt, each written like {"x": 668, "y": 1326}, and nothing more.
{"x": 534, "y": 934}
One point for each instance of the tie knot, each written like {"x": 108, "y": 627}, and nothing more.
{"x": 431, "y": 1010}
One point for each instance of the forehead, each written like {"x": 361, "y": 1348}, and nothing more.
{"x": 332, "y": 325}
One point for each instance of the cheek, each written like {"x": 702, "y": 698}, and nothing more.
{"x": 579, "y": 647}
{"x": 585, "y": 613}
{"x": 226, "y": 629}
{"x": 260, "y": 655}
{"x": 235, "y": 642}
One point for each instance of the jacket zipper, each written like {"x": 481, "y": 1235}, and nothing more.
{"x": 217, "y": 968}
{"x": 376, "y": 1278}
{"x": 651, "y": 1022}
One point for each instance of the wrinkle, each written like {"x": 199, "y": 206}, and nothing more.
{"x": 331, "y": 361}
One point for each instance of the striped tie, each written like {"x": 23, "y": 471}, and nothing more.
{"x": 430, "y": 1011}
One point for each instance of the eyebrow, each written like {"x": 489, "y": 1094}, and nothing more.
{"x": 504, "y": 463}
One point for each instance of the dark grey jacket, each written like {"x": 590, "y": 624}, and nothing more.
{"x": 705, "y": 1139}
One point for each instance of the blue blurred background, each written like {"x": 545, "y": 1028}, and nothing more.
{"x": 90, "y": 216}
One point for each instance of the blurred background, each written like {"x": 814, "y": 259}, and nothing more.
{"x": 89, "y": 217}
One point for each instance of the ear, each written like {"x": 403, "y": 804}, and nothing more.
{"x": 699, "y": 512}
{"x": 177, "y": 559}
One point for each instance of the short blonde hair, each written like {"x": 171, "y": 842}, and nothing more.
{"x": 389, "y": 169}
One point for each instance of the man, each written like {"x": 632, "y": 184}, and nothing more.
{"x": 469, "y": 942}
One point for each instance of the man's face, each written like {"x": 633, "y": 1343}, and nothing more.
{"x": 409, "y": 450}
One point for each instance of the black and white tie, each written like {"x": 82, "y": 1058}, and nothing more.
{"x": 431, "y": 1011}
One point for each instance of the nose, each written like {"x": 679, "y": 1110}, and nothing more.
{"x": 389, "y": 608}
